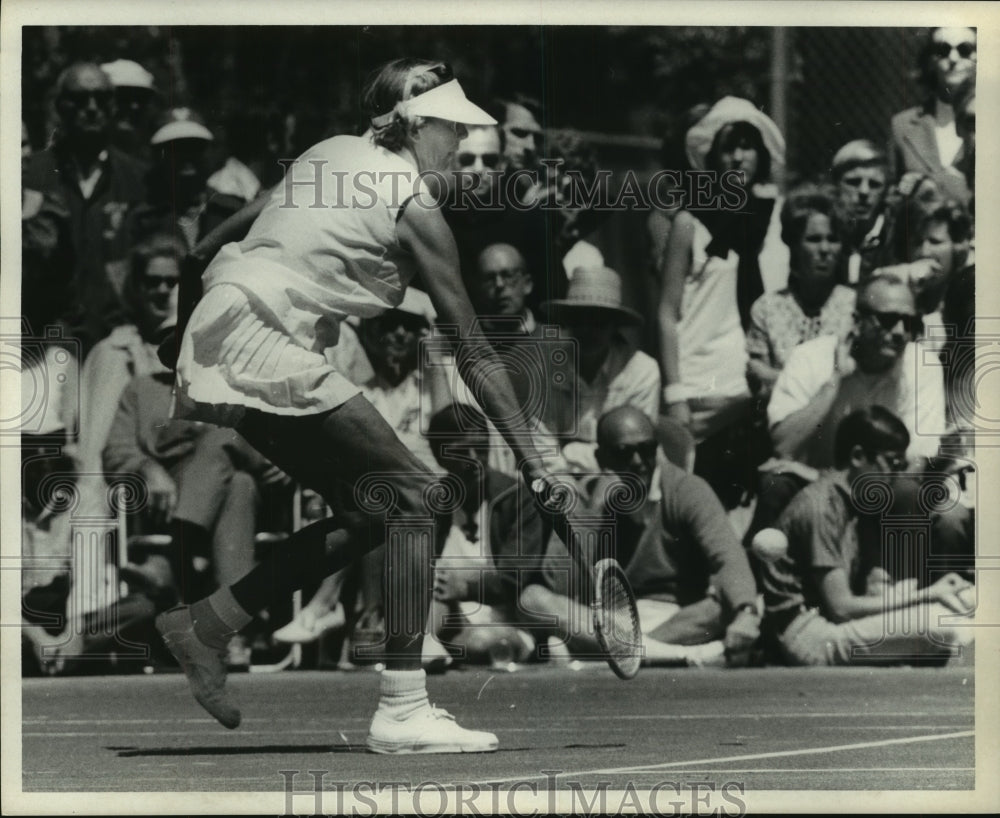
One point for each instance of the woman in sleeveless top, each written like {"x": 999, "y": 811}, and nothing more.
{"x": 711, "y": 274}
{"x": 343, "y": 235}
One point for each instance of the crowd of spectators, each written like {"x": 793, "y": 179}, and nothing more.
{"x": 810, "y": 344}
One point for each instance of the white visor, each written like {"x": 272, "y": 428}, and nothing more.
{"x": 447, "y": 101}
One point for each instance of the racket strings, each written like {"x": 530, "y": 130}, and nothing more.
{"x": 619, "y": 625}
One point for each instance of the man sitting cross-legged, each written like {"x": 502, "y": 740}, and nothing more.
{"x": 695, "y": 589}
{"x": 827, "y": 598}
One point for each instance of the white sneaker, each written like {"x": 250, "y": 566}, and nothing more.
{"x": 429, "y": 730}
{"x": 307, "y": 627}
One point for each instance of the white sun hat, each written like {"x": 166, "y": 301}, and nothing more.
{"x": 128, "y": 74}
{"x": 725, "y": 112}
{"x": 445, "y": 101}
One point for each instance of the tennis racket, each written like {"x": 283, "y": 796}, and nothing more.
{"x": 613, "y": 609}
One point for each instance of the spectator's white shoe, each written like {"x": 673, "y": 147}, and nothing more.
{"x": 429, "y": 730}
{"x": 205, "y": 667}
{"x": 307, "y": 627}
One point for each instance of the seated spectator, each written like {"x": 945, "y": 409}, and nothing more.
{"x": 129, "y": 351}
{"x": 826, "y": 599}
{"x": 501, "y": 286}
{"x": 203, "y": 484}
{"x": 941, "y": 236}
{"x": 610, "y": 371}
{"x": 478, "y": 208}
{"x": 813, "y": 303}
{"x": 76, "y": 197}
{"x": 494, "y": 548}
{"x": 571, "y": 165}
{"x": 860, "y": 174}
{"x": 696, "y": 594}
{"x": 135, "y": 96}
{"x": 926, "y": 138}
{"x": 179, "y": 196}
{"x": 478, "y": 162}
{"x": 826, "y": 379}
{"x": 520, "y": 131}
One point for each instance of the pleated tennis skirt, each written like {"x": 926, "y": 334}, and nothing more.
{"x": 232, "y": 358}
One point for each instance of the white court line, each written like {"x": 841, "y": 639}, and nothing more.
{"x": 814, "y": 770}
{"x": 958, "y": 711}
{"x": 753, "y": 757}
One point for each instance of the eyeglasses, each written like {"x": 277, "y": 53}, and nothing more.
{"x": 912, "y": 324}
{"x": 490, "y": 160}
{"x": 942, "y": 50}
{"x": 625, "y": 452}
{"x": 504, "y": 277}
{"x": 81, "y": 99}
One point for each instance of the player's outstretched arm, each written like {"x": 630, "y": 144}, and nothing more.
{"x": 423, "y": 231}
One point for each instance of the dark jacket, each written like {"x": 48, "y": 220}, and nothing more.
{"x": 75, "y": 249}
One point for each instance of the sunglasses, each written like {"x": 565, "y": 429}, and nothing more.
{"x": 81, "y": 99}
{"x": 153, "y": 282}
{"x": 490, "y": 160}
{"x": 912, "y": 324}
{"x": 942, "y": 50}
{"x": 626, "y": 452}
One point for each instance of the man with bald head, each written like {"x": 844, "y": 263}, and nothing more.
{"x": 76, "y": 196}
{"x": 696, "y": 593}
{"x": 502, "y": 286}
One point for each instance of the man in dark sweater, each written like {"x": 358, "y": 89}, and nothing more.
{"x": 75, "y": 201}
{"x": 697, "y": 597}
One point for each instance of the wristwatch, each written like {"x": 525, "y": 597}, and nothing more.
{"x": 746, "y": 606}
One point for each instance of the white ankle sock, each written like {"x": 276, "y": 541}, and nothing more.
{"x": 403, "y": 693}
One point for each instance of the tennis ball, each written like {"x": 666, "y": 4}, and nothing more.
{"x": 769, "y": 544}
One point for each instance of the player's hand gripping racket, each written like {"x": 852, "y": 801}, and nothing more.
{"x": 614, "y": 614}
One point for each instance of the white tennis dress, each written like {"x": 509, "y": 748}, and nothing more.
{"x": 324, "y": 247}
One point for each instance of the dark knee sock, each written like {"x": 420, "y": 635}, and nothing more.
{"x": 190, "y": 541}
{"x": 315, "y": 551}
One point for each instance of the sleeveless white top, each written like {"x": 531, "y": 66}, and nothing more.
{"x": 711, "y": 351}
{"x": 324, "y": 248}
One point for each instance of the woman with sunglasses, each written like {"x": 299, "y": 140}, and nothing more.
{"x": 352, "y": 224}
{"x": 925, "y": 138}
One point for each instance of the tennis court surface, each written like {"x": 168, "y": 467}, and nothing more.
{"x": 770, "y": 729}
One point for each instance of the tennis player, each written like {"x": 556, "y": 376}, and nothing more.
{"x": 352, "y": 224}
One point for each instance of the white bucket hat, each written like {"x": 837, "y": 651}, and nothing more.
{"x": 725, "y": 112}
{"x": 445, "y": 101}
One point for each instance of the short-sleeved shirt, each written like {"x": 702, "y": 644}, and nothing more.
{"x": 778, "y": 323}
{"x": 821, "y": 526}
{"x": 628, "y": 377}
{"x": 913, "y": 389}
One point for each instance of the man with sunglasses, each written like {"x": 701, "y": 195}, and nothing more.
{"x": 880, "y": 364}
{"x": 824, "y": 605}
{"x": 693, "y": 582}
{"x": 825, "y": 380}
{"x": 925, "y": 138}
{"x": 77, "y": 195}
